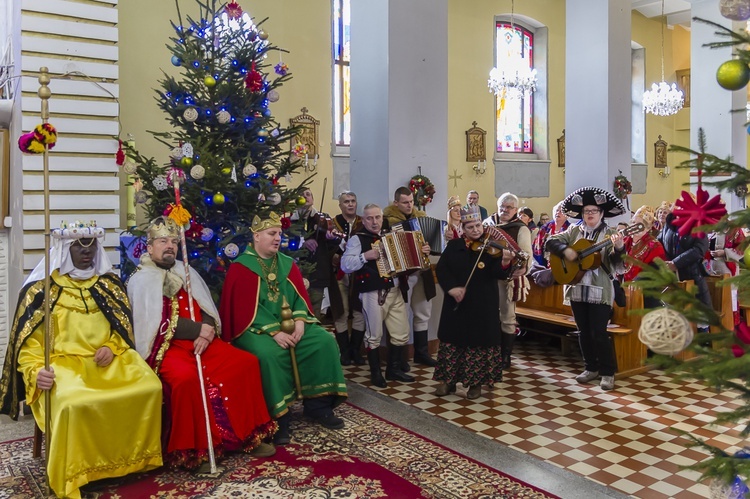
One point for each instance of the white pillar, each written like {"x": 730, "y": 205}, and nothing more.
{"x": 399, "y": 98}
{"x": 597, "y": 92}
{"x": 710, "y": 105}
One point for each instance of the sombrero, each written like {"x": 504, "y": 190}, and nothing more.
{"x": 592, "y": 196}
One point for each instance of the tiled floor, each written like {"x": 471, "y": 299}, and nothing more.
{"x": 621, "y": 439}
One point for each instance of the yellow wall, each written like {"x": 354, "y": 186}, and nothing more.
{"x": 304, "y": 28}
{"x": 301, "y": 26}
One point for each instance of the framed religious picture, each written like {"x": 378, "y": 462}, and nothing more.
{"x": 476, "y": 149}
{"x": 308, "y": 133}
{"x": 683, "y": 83}
{"x": 660, "y": 153}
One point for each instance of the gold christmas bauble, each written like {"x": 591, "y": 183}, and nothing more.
{"x": 733, "y": 74}
{"x": 747, "y": 255}
{"x": 187, "y": 162}
{"x": 262, "y": 35}
{"x": 209, "y": 81}
{"x": 262, "y": 132}
{"x": 219, "y": 198}
{"x": 301, "y": 201}
{"x": 226, "y": 171}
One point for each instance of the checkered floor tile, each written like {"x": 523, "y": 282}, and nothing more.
{"x": 622, "y": 439}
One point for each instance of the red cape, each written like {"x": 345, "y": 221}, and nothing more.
{"x": 239, "y": 298}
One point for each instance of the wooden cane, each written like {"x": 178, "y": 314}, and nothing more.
{"x": 189, "y": 290}
{"x": 44, "y": 94}
{"x": 287, "y": 326}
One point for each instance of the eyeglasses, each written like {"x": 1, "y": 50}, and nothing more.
{"x": 591, "y": 212}
{"x": 505, "y": 207}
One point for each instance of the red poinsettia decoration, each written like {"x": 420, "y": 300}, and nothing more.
{"x": 233, "y": 10}
{"x": 692, "y": 212}
{"x": 286, "y": 222}
{"x": 254, "y": 80}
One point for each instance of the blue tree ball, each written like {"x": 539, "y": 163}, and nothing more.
{"x": 176, "y": 61}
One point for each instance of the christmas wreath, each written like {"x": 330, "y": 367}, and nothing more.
{"x": 422, "y": 189}
{"x": 622, "y": 186}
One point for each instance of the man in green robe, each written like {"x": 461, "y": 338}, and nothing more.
{"x": 299, "y": 363}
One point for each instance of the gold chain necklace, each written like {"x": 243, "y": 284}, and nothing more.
{"x": 270, "y": 275}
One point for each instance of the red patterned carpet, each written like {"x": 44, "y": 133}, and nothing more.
{"x": 369, "y": 458}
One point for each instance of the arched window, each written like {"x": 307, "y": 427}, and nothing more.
{"x": 514, "y": 111}
{"x": 342, "y": 118}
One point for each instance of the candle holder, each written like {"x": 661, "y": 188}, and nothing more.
{"x": 480, "y": 167}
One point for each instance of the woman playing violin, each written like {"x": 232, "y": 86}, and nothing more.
{"x": 469, "y": 331}
{"x": 591, "y": 299}
{"x": 645, "y": 248}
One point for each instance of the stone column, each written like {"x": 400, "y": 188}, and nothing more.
{"x": 399, "y": 98}
{"x": 597, "y": 92}
{"x": 710, "y": 105}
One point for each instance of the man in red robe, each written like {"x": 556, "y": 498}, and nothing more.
{"x": 171, "y": 337}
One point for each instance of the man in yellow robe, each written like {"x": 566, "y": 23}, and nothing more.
{"x": 105, "y": 410}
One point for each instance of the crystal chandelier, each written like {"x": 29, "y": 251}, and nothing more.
{"x": 516, "y": 78}
{"x": 662, "y": 99}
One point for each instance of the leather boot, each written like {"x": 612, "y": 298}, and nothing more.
{"x": 376, "y": 376}
{"x": 405, "y": 360}
{"x": 355, "y": 347}
{"x": 506, "y": 349}
{"x": 343, "y": 340}
{"x": 393, "y": 370}
{"x": 421, "y": 351}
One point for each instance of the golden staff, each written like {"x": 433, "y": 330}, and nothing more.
{"x": 44, "y": 94}
{"x": 189, "y": 290}
{"x": 287, "y": 326}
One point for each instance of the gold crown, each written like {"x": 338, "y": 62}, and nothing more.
{"x": 454, "y": 201}
{"x": 162, "y": 227}
{"x": 78, "y": 230}
{"x": 259, "y": 225}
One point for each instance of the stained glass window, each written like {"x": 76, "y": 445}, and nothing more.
{"x": 514, "y": 47}
{"x": 342, "y": 118}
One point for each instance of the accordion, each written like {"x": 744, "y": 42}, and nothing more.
{"x": 432, "y": 229}
{"x": 400, "y": 252}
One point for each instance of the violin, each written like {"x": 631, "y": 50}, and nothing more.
{"x": 495, "y": 240}
{"x": 324, "y": 223}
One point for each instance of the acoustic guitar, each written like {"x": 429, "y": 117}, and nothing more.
{"x": 589, "y": 257}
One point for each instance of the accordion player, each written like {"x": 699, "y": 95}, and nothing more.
{"x": 432, "y": 229}
{"x": 400, "y": 252}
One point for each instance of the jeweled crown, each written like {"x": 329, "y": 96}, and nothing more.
{"x": 78, "y": 230}
{"x": 162, "y": 227}
{"x": 259, "y": 224}
{"x": 470, "y": 214}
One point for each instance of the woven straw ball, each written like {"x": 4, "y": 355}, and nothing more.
{"x": 665, "y": 331}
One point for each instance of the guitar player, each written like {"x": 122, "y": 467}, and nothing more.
{"x": 591, "y": 298}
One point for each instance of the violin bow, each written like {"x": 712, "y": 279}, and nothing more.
{"x": 323, "y": 196}
{"x": 484, "y": 245}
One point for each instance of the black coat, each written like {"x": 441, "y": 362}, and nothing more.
{"x": 686, "y": 252}
{"x": 477, "y": 320}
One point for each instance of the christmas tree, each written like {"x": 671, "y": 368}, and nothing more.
{"x": 723, "y": 356}
{"x": 225, "y": 148}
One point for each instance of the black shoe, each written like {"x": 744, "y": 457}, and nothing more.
{"x": 282, "y": 438}
{"x": 343, "y": 341}
{"x": 421, "y": 350}
{"x": 355, "y": 348}
{"x": 331, "y": 422}
{"x": 376, "y": 375}
{"x": 284, "y": 435}
{"x": 393, "y": 372}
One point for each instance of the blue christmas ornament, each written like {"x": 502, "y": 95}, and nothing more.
{"x": 176, "y": 61}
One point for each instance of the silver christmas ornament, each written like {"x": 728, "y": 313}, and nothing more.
{"x": 130, "y": 168}
{"x": 273, "y": 199}
{"x": 736, "y": 10}
{"x": 272, "y": 96}
{"x": 232, "y": 250}
{"x": 249, "y": 170}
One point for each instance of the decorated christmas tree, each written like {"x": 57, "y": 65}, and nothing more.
{"x": 228, "y": 153}
{"x": 722, "y": 360}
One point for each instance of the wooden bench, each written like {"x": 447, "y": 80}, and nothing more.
{"x": 544, "y": 312}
